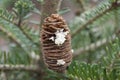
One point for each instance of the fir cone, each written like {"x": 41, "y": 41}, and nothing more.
{"x": 56, "y": 43}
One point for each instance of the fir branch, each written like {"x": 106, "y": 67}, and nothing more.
{"x": 9, "y": 34}
{"x": 17, "y": 35}
{"x": 4, "y": 14}
{"x": 24, "y": 32}
{"x": 7, "y": 16}
{"x": 28, "y": 36}
{"x": 17, "y": 41}
{"x": 95, "y": 45}
{"x": 116, "y": 17}
{"x": 29, "y": 68}
{"x": 107, "y": 7}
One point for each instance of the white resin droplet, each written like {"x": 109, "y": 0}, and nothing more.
{"x": 60, "y": 62}
{"x": 51, "y": 38}
{"x": 60, "y": 37}
{"x": 72, "y": 50}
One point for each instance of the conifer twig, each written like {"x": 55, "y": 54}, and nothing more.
{"x": 29, "y": 68}
{"x": 95, "y": 45}
{"x": 9, "y": 34}
{"x": 29, "y": 37}
{"x": 18, "y": 25}
{"x": 90, "y": 21}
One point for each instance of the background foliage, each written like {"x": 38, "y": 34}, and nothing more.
{"x": 95, "y": 40}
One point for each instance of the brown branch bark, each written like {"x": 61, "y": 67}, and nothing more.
{"x": 49, "y": 7}
{"x": 81, "y": 5}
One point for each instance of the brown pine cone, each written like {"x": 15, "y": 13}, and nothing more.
{"x": 56, "y": 43}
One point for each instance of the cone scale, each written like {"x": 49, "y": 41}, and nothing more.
{"x": 56, "y": 43}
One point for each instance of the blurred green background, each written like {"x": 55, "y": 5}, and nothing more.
{"x": 95, "y": 34}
